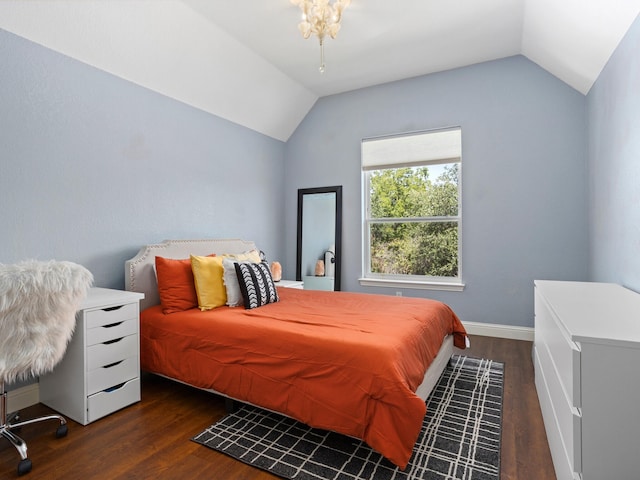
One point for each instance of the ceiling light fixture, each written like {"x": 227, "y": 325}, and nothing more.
{"x": 321, "y": 17}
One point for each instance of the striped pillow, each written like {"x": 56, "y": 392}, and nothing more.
{"x": 256, "y": 284}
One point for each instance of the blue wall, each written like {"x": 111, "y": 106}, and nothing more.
{"x": 524, "y": 139}
{"x": 92, "y": 167}
{"x": 614, "y": 167}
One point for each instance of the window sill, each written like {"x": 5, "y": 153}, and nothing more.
{"x": 379, "y": 282}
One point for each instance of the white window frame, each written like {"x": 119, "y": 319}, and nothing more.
{"x": 410, "y": 149}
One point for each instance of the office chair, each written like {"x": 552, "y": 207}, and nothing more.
{"x": 38, "y": 304}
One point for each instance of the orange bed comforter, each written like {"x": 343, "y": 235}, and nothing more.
{"x": 347, "y": 362}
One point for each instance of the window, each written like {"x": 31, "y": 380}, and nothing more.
{"x": 412, "y": 213}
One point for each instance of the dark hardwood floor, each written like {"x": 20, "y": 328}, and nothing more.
{"x": 150, "y": 440}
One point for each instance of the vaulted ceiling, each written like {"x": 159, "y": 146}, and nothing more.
{"x": 244, "y": 60}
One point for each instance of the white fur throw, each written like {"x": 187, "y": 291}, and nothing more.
{"x": 38, "y": 303}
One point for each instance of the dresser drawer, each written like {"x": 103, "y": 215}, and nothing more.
{"x": 103, "y": 354}
{"x": 108, "y": 401}
{"x": 561, "y": 460}
{"x": 112, "y": 331}
{"x": 568, "y": 418}
{"x": 113, "y": 374}
{"x": 564, "y": 353}
{"x": 107, "y": 316}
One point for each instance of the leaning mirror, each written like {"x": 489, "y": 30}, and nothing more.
{"x": 319, "y": 237}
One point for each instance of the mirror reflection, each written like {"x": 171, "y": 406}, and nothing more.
{"x": 319, "y": 232}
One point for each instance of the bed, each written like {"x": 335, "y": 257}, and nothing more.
{"x": 354, "y": 363}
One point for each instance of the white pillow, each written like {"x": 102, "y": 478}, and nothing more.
{"x": 230, "y": 279}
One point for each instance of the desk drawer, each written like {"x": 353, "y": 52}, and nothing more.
{"x": 111, "y": 331}
{"x": 108, "y": 401}
{"x": 110, "y": 375}
{"x": 103, "y": 354}
{"x": 97, "y": 318}
{"x": 564, "y": 353}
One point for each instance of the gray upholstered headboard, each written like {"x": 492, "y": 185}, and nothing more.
{"x": 139, "y": 272}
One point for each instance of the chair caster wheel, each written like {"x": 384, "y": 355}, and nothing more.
{"x": 61, "y": 431}
{"x": 24, "y": 466}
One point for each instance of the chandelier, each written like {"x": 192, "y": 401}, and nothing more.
{"x": 322, "y": 18}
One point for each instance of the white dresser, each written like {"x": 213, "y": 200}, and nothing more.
{"x": 587, "y": 373}
{"x": 100, "y": 372}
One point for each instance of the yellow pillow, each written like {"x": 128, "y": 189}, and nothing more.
{"x": 207, "y": 276}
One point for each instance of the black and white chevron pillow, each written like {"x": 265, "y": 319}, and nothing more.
{"x": 256, "y": 284}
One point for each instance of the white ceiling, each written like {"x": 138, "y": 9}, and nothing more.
{"x": 244, "y": 60}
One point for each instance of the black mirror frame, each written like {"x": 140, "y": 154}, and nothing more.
{"x": 338, "y": 230}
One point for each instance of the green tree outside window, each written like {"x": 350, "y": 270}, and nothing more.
{"x": 414, "y": 220}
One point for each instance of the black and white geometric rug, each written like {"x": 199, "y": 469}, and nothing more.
{"x": 460, "y": 437}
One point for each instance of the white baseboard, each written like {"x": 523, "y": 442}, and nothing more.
{"x": 500, "y": 331}
{"x": 23, "y": 397}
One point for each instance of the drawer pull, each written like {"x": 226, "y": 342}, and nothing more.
{"x": 111, "y": 365}
{"x": 115, "y": 340}
{"x": 115, "y": 387}
{"x": 111, "y": 325}
{"x": 111, "y": 309}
